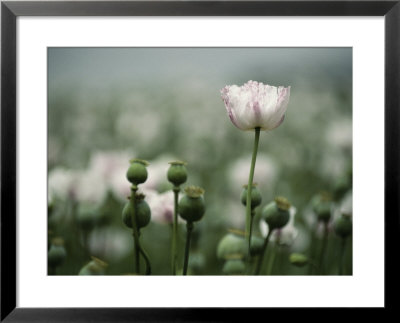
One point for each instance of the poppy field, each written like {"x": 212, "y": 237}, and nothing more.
{"x": 200, "y": 161}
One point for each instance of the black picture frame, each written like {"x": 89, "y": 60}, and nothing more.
{"x": 11, "y": 10}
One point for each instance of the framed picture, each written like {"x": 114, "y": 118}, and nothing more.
{"x": 86, "y": 86}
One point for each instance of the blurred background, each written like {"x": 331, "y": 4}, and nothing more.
{"x": 108, "y": 105}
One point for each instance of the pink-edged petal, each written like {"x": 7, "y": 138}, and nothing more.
{"x": 255, "y": 105}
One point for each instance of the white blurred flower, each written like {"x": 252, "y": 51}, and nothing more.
{"x": 161, "y": 205}
{"x": 157, "y": 172}
{"x": 106, "y": 171}
{"x": 285, "y": 236}
{"x": 255, "y": 105}
{"x": 235, "y": 214}
{"x": 105, "y": 163}
{"x": 141, "y": 126}
{"x": 334, "y": 165}
{"x": 111, "y": 166}
{"x": 346, "y": 204}
{"x": 340, "y": 134}
{"x": 91, "y": 187}
{"x": 110, "y": 244}
{"x": 63, "y": 183}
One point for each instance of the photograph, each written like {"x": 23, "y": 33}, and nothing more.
{"x": 199, "y": 161}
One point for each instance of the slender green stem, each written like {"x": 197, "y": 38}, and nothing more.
{"x": 341, "y": 255}
{"x": 250, "y": 258}
{"x": 175, "y": 231}
{"x": 250, "y": 184}
{"x": 271, "y": 261}
{"x": 312, "y": 249}
{"x": 146, "y": 260}
{"x": 252, "y": 213}
{"x": 189, "y": 230}
{"x": 261, "y": 257}
{"x": 323, "y": 249}
{"x": 85, "y": 243}
{"x": 135, "y": 229}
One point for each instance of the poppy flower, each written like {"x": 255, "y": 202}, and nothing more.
{"x": 256, "y": 105}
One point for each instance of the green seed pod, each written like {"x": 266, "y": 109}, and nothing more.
{"x": 322, "y": 205}
{"x": 57, "y": 254}
{"x": 191, "y": 206}
{"x": 276, "y": 213}
{"x": 143, "y": 214}
{"x": 255, "y": 196}
{"x": 94, "y": 267}
{"x": 341, "y": 186}
{"x": 298, "y": 259}
{"x": 256, "y": 246}
{"x": 343, "y": 226}
{"x": 177, "y": 173}
{"x": 86, "y": 217}
{"x": 234, "y": 267}
{"x": 137, "y": 172}
{"x": 231, "y": 246}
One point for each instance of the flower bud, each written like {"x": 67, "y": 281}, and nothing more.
{"x": 255, "y": 196}
{"x": 57, "y": 253}
{"x": 276, "y": 213}
{"x": 322, "y": 205}
{"x": 234, "y": 267}
{"x": 137, "y": 172}
{"x": 143, "y": 213}
{"x": 343, "y": 226}
{"x": 256, "y": 246}
{"x": 231, "y": 246}
{"x": 95, "y": 267}
{"x": 191, "y": 206}
{"x": 177, "y": 173}
{"x": 298, "y": 259}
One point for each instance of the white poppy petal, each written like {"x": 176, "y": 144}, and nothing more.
{"x": 255, "y": 105}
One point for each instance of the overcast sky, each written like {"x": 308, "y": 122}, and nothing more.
{"x": 99, "y": 67}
